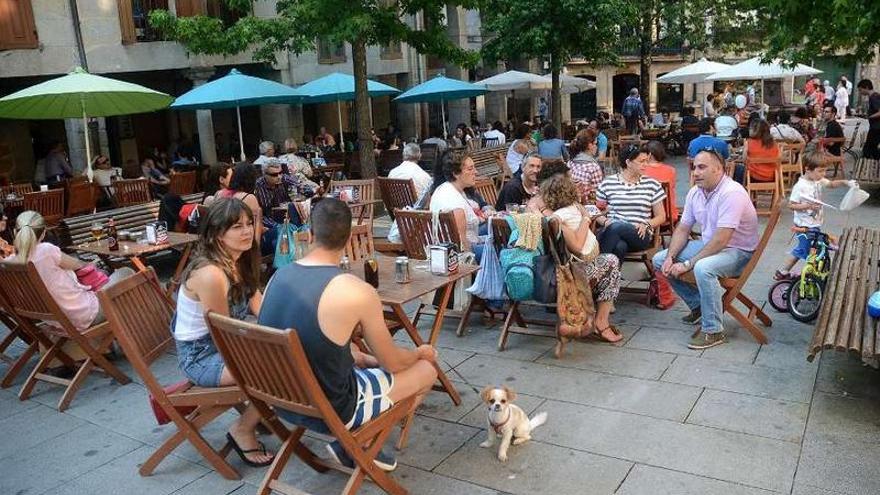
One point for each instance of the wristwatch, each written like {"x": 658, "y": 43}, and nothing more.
{"x": 687, "y": 264}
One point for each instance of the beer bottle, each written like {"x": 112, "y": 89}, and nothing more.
{"x": 112, "y": 236}
{"x": 285, "y": 237}
{"x": 371, "y": 271}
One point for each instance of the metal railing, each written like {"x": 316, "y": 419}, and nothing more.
{"x": 140, "y": 10}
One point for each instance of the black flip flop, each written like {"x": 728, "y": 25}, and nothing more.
{"x": 243, "y": 453}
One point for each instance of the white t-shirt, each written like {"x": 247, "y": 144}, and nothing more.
{"x": 802, "y": 192}
{"x": 725, "y": 125}
{"x": 411, "y": 170}
{"x": 708, "y": 109}
{"x": 571, "y": 218}
{"x": 103, "y": 177}
{"x": 448, "y": 198}
{"x": 787, "y": 133}
{"x": 493, "y": 134}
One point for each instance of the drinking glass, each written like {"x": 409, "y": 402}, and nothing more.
{"x": 97, "y": 231}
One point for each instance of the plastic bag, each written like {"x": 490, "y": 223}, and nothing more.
{"x": 853, "y": 198}
{"x": 489, "y": 284}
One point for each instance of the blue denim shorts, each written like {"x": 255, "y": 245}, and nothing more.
{"x": 200, "y": 361}
{"x": 802, "y": 249}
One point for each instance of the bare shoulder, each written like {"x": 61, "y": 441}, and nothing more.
{"x": 209, "y": 275}
{"x": 349, "y": 291}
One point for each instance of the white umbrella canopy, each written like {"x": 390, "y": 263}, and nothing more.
{"x": 753, "y": 70}
{"x": 514, "y": 80}
{"x": 696, "y": 72}
{"x": 569, "y": 85}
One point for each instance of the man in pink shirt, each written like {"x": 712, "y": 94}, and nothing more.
{"x": 729, "y": 226}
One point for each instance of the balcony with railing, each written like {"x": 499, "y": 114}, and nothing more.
{"x": 140, "y": 10}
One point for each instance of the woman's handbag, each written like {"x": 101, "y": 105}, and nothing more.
{"x": 489, "y": 283}
{"x": 571, "y": 302}
{"x": 545, "y": 286}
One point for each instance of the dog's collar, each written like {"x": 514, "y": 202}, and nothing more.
{"x": 497, "y": 426}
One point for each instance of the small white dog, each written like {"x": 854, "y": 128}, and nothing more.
{"x": 507, "y": 419}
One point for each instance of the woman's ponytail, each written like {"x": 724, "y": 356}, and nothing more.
{"x": 29, "y": 229}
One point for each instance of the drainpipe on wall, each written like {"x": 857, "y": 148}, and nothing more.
{"x": 77, "y": 32}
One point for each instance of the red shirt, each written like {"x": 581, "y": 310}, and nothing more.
{"x": 666, "y": 174}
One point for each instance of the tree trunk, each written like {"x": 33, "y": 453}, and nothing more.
{"x": 556, "y": 94}
{"x": 362, "y": 110}
{"x": 646, "y": 55}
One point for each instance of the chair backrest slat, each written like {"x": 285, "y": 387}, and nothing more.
{"x": 140, "y": 316}
{"x": 416, "y": 231}
{"x": 28, "y": 296}
{"x": 81, "y": 198}
{"x": 363, "y": 191}
{"x": 19, "y": 189}
{"x": 396, "y": 193}
{"x": 271, "y": 366}
{"x": 131, "y": 192}
{"x": 49, "y": 204}
{"x": 486, "y": 188}
{"x": 182, "y": 183}
{"x": 360, "y": 244}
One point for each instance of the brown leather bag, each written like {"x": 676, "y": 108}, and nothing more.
{"x": 572, "y": 302}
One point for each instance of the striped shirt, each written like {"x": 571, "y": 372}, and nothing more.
{"x": 630, "y": 202}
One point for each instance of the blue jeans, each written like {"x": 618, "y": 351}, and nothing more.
{"x": 706, "y": 295}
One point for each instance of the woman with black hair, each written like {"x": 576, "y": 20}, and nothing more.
{"x": 551, "y": 147}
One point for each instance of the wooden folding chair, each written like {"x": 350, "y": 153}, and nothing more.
{"x": 837, "y": 161}
{"x": 646, "y": 256}
{"x": 505, "y": 173}
{"x": 396, "y": 193}
{"x": 20, "y": 332}
{"x": 285, "y": 380}
{"x": 416, "y": 231}
{"x": 27, "y": 296}
{"x": 792, "y": 164}
{"x": 774, "y": 187}
{"x": 81, "y": 198}
{"x": 363, "y": 191}
{"x": 130, "y": 192}
{"x": 182, "y": 183}
{"x": 19, "y": 189}
{"x": 486, "y": 189}
{"x": 733, "y": 285}
{"x": 140, "y": 315}
{"x": 360, "y": 245}
{"x": 49, "y": 204}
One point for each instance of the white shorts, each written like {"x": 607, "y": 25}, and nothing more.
{"x": 374, "y": 385}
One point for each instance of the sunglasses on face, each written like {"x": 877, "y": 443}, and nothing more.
{"x": 273, "y": 174}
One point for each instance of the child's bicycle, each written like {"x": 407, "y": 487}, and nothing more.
{"x": 801, "y": 294}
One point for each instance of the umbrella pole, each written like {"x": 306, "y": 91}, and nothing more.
{"x": 341, "y": 134}
{"x": 443, "y": 118}
{"x": 89, "y": 172}
{"x": 240, "y": 139}
{"x": 371, "y": 110}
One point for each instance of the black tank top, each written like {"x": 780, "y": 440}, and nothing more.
{"x": 291, "y": 301}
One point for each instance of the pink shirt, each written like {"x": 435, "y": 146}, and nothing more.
{"x": 726, "y": 206}
{"x": 76, "y": 300}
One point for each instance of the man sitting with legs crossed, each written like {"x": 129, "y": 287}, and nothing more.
{"x": 325, "y": 305}
{"x": 729, "y": 226}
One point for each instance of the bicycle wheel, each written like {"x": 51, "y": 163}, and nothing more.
{"x": 805, "y": 300}
{"x": 778, "y": 295}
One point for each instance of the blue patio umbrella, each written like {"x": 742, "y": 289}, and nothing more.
{"x": 236, "y": 90}
{"x": 440, "y": 89}
{"x": 339, "y": 87}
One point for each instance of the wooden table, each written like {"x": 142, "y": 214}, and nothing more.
{"x": 395, "y": 295}
{"x": 843, "y": 323}
{"x": 134, "y": 251}
{"x": 358, "y": 210}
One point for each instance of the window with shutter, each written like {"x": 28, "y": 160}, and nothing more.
{"x": 126, "y": 21}
{"x": 17, "y": 28}
{"x": 189, "y": 8}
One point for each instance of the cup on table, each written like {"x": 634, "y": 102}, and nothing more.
{"x": 511, "y": 208}
{"x": 44, "y": 187}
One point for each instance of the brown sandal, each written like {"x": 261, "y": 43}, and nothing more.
{"x": 602, "y": 336}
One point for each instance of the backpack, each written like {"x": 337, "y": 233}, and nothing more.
{"x": 518, "y": 267}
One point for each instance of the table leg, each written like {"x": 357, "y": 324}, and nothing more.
{"x": 445, "y": 384}
{"x": 138, "y": 264}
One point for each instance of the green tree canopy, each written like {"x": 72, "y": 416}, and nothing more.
{"x": 800, "y": 31}
{"x": 558, "y": 29}
{"x": 299, "y": 23}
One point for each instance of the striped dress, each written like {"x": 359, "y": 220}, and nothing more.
{"x": 627, "y": 202}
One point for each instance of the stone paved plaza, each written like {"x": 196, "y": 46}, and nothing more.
{"x": 644, "y": 417}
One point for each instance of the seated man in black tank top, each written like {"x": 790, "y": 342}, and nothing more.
{"x": 324, "y": 305}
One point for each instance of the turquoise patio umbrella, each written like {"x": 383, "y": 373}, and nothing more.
{"x": 236, "y": 90}
{"x": 81, "y": 95}
{"x": 339, "y": 87}
{"x": 441, "y": 89}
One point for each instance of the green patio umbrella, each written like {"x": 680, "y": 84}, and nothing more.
{"x": 81, "y": 95}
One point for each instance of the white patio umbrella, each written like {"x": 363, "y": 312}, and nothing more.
{"x": 753, "y": 70}
{"x": 514, "y": 80}
{"x": 569, "y": 85}
{"x": 696, "y": 72}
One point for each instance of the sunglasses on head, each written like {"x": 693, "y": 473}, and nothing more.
{"x": 713, "y": 151}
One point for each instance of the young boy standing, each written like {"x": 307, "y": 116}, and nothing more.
{"x": 805, "y": 203}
